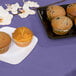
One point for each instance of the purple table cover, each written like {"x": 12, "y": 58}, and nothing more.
{"x": 49, "y": 57}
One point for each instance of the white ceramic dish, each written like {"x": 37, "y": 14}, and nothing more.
{"x": 16, "y": 54}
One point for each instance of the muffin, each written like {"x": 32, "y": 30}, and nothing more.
{"x": 71, "y": 10}
{"x": 54, "y": 11}
{"x": 5, "y": 41}
{"x": 22, "y": 36}
{"x": 61, "y": 25}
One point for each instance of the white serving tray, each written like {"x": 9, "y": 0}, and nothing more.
{"x": 16, "y": 54}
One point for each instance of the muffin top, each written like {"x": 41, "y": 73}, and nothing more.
{"x": 22, "y": 34}
{"x": 62, "y": 23}
{"x": 55, "y": 10}
{"x": 71, "y": 9}
{"x": 5, "y": 39}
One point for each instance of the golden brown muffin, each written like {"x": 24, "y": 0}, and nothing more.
{"x": 5, "y": 41}
{"x": 61, "y": 25}
{"x": 22, "y": 36}
{"x": 54, "y": 11}
{"x": 71, "y": 9}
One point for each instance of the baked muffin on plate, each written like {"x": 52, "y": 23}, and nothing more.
{"x": 61, "y": 25}
{"x": 22, "y": 36}
{"x": 54, "y": 11}
{"x": 71, "y": 10}
{"x": 5, "y": 41}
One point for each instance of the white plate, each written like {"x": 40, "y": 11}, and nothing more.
{"x": 16, "y": 54}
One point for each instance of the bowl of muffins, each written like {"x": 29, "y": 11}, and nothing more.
{"x": 59, "y": 20}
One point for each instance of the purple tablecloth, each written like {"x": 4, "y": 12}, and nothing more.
{"x": 49, "y": 57}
